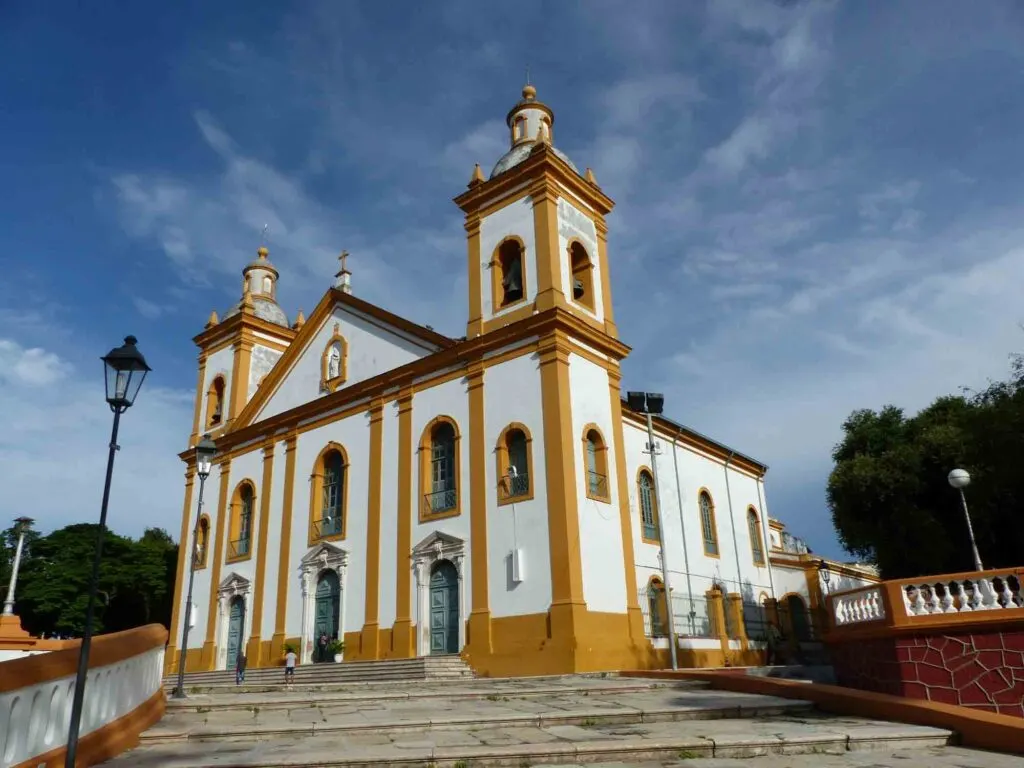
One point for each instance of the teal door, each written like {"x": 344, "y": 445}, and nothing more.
{"x": 236, "y": 626}
{"x": 327, "y": 615}
{"x": 444, "y": 609}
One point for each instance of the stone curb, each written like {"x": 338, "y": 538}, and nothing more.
{"x": 192, "y": 705}
{"x": 604, "y": 750}
{"x": 225, "y": 679}
{"x": 547, "y": 719}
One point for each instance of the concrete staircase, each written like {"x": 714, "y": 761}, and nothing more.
{"x": 463, "y": 722}
{"x": 316, "y": 676}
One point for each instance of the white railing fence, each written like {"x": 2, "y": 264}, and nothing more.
{"x": 858, "y": 606}
{"x": 990, "y": 591}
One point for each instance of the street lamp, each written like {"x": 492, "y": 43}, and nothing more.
{"x": 654, "y": 403}
{"x": 21, "y": 527}
{"x": 960, "y": 479}
{"x": 826, "y": 574}
{"x": 124, "y": 370}
{"x": 206, "y": 449}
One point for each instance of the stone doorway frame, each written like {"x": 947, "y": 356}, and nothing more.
{"x": 231, "y": 587}
{"x": 323, "y": 557}
{"x": 434, "y": 548}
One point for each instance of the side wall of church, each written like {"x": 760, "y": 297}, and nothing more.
{"x": 512, "y": 395}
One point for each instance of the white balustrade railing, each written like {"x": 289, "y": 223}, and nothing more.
{"x": 858, "y": 607}
{"x": 988, "y": 591}
{"x": 34, "y": 719}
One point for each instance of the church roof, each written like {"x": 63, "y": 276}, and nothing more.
{"x": 264, "y": 308}
{"x": 519, "y": 153}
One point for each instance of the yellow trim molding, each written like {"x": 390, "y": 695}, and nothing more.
{"x": 255, "y": 644}
{"x": 479, "y": 639}
{"x": 402, "y": 636}
{"x": 371, "y": 637}
{"x": 209, "y": 646}
{"x": 284, "y": 550}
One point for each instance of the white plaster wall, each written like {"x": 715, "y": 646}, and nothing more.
{"x": 447, "y": 399}
{"x": 572, "y": 222}
{"x": 372, "y": 350}
{"x": 695, "y": 471}
{"x": 791, "y": 580}
{"x": 354, "y": 434}
{"x": 248, "y": 466}
{"x": 512, "y": 394}
{"x": 514, "y": 219}
{"x": 389, "y": 516}
{"x": 604, "y": 581}
{"x": 272, "y": 567}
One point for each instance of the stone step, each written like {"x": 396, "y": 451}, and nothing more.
{"x": 320, "y": 718}
{"x": 241, "y": 699}
{"x": 547, "y": 745}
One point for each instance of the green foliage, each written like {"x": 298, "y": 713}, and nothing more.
{"x": 135, "y": 586}
{"x": 335, "y": 647}
{"x": 888, "y": 493}
{"x": 289, "y": 648}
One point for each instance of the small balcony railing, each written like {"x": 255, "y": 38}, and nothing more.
{"x": 512, "y": 487}
{"x": 650, "y": 530}
{"x": 239, "y": 548}
{"x": 327, "y": 526}
{"x": 440, "y": 501}
{"x": 597, "y": 485}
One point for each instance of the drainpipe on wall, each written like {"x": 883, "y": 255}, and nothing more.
{"x": 766, "y": 533}
{"x": 732, "y": 521}
{"x": 690, "y": 617}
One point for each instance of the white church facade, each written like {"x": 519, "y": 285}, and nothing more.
{"x": 408, "y": 493}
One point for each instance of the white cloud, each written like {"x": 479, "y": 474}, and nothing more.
{"x": 53, "y": 448}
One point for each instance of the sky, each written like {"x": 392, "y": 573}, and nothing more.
{"x": 820, "y": 205}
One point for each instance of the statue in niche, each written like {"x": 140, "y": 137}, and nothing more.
{"x": 334, "y": 361}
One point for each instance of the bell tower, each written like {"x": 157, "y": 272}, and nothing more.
{"x": 535, "y": 229}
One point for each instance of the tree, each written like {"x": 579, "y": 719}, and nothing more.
{"x": 888, "y": 493}
{"x": 135, "y": 586}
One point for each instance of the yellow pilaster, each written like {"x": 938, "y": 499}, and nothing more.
{"x": 200, "y": 399}
{"x": 480, "y": 615}
{"x": 209, "y": 657}
{"x": 254, "y": 647}
{"x": 240, "y": 377}
{"x": 475, "y": 326}
{"x": 402, "y": 636}
{"x": 371, "y": 634}
{"x": 284, "y": 549}
{"x": 545, "y": 229}
{"x": 180, "y": 581}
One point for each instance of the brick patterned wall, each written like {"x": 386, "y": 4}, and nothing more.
{"x": 984, "y": 670}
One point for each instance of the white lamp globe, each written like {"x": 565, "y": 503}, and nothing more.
{"x": 959, "y": 478}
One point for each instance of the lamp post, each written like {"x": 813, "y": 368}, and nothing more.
{"x": 206, "y": 449}
{"x": 960, "y": 479}
{"x": 654, "y": 403}
{"x": 124, "y": 369}
{"x": 21, "y": 526}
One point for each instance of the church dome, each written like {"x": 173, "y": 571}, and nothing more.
{"x": 530, "y": 124}
{"x": 259, "y": 286}
{"x": 264, "y": 309}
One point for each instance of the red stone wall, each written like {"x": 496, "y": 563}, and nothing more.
{"x": 983, "y": 670}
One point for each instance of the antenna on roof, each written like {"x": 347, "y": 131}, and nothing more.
{"x": 263, "y": 235}
{"x": 527, "y": 74}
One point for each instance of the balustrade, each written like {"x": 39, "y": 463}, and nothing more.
{"x": 987, "y": 591}
{"x": 858, "y": 606}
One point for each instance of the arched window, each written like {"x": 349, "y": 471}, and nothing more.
{"x": 582, "y": 275}
{"x": 215, "y": 403}
{"x": 595, "y": 455}
{"x": 508, "y": 273}
{"x": 439, "y": 469}
{"x": 709, "y": 532}
{"x": 657, "y": 606}
{"x": 756, "y": 542}
{"x": 648, "y": 507}
{"x": 242, "y": 507}
{"x": 519, "y": 128}
{"x": 515, "y": 464}
{"x": 328, "y": 490}
{"x": 202, "y": 542}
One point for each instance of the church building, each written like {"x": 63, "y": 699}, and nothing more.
{"x": 494, "y": 496}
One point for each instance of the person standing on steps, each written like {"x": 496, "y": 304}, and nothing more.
{"x": 774, "y": 640}
{"x": 323, "y": 647}
{"x": 240, "y": 668}
{"x": 289, "y": 668}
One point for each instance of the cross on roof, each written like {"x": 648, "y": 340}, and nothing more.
{"x": 342, "y": 258}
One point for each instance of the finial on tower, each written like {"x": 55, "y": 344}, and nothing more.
{"x": 343, "y": 280}
{"x": 589, "y": 175}
{"x": 300, "y": 320}
{"x": 213, "y": 319}
{"x": 477, "y": 177}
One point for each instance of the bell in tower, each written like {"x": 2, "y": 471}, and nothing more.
{"x": 512, "y": 284}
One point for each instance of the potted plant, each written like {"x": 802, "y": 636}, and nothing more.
{"x": 336, "y": 648}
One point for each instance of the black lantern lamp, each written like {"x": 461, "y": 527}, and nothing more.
{"x": 125, "y": 369}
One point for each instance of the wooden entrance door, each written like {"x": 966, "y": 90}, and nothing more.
{"x": 328, "y": 600}
{"x": 236, "y": 628}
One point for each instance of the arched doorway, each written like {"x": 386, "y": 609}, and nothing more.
{"x": 798, "y": 618}
{"x": 236, "y": 630}
{"x": 444, "y": 608}
{"x": 327, "y": 613}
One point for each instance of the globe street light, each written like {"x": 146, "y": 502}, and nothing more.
{"x": 124, "y": 370}
{"x": 206, "y": 449}
{"x": 21, "y": 527}
{"x": 960, "y": 479}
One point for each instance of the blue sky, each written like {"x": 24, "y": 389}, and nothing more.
{"x": 819, "y": 204}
